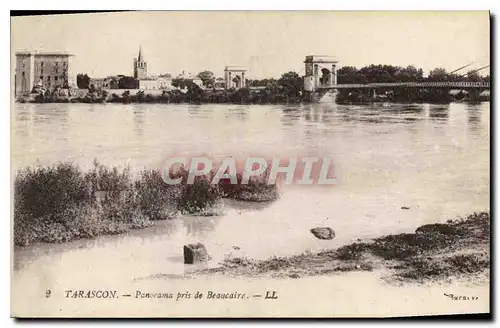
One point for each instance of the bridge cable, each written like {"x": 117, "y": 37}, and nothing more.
{"x": 461, "y": 68}
{"x": 474, "y": 71}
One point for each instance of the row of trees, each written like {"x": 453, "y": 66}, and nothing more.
{"x": 392, "y": 74}
{"x": 83, "y": 81}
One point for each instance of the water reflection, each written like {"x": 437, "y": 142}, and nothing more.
{"x": 199, "y": 111}
{"x": 291, "y": 115}
{"x": 241, "y": 206}
{"x": 439, "y": 112}
{"x": 327, "y": 114}
{"x": 22, "y": 115}
{"x": 139, "y": 117}
{"x": 51, "y": 114}
{"x": 474, "y": 113}
{"x": 240, "y": 113}
{"x": 199, "y": 227}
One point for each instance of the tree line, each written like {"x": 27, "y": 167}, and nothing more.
{"x": 289, "y": 87}
{"x": 394, "y": 74}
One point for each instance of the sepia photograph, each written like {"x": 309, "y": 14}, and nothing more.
{"x": 250, "y": 164}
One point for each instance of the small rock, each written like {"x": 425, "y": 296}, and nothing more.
{"x": 236, "y": 248}
{"x": 358, "y": 266}
{"x": 194, "y": 253}
{"x": 405, "y": 208}
{"x": 323, "y": 233}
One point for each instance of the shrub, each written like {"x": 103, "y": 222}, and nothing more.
{"x": 103, "y": 182}
{"x": 153, "y": 195}
{"x": 48, "y": 191}
{"x": 60, "y": 203}
{"x": 199, "y": 198}
{"x": 113, "y": 192}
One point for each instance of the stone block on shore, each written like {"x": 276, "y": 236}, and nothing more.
{"x": 323, "y": 233}
{"x": 195, "y": 253}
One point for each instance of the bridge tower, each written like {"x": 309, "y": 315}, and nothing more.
{"x": 321, "y": 73}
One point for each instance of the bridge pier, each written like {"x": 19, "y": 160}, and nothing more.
{"x": 320, "y": 73}
{"x": 473, "y": 94}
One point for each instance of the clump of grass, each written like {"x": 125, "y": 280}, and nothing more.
{"x": 198, "y": 198}
{"x": 256, "y": 190}
{"x": 351, "y": 251}
{"x": 421, "y": 269}
{"x": 468, "y": 263}
{"x": 405, "y": 245}
{"x": 442, "y": 228}
{"x": 458, "y": 264}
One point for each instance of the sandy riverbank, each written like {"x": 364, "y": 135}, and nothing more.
{"x": 433, "y": 251}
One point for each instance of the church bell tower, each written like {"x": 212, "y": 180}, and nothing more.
{"x": 140, "y": 67}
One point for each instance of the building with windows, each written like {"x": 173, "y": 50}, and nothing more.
{"x": 190, "y": 77}
{"x": 44, "y": 69}
{"x": 156, "y": 83}
{"x": 110, "y": 82}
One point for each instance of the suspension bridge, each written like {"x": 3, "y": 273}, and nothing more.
{"x": 321, "y": 77}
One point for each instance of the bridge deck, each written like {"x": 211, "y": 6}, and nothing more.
{"x": 482, "y": 85}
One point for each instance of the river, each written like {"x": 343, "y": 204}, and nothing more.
{"x": 434, "y": 159}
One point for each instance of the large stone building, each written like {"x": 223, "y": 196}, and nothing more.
{"x": 156, "y": 83}
{"x": 140, "y": 67}
{"x": 44, "y": 69}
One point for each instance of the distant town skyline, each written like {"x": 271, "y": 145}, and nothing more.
{"x": 267, "y": 43}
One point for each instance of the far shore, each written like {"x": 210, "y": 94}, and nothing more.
{"x": 245, "y": 96}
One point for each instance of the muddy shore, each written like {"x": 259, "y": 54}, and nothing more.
{"x": 433, "y": 252}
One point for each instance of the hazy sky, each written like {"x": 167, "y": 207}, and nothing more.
{"x": 268, "y": 43}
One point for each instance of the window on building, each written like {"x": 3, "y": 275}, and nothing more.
{"x": 23, "y": 74}
{"x": 55, "y": 78}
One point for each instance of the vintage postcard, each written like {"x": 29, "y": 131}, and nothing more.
{"x": 250, "y": 164}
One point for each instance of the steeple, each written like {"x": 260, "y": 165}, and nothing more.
{"x": 140, "y": 66}
{"x": 139, "y": 58}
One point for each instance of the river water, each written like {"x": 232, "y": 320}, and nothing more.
{"x": 433, "y": 159}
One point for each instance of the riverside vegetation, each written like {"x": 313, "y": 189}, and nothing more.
{"x": 289, "y": 88}
{"x": 61, "y": 203}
